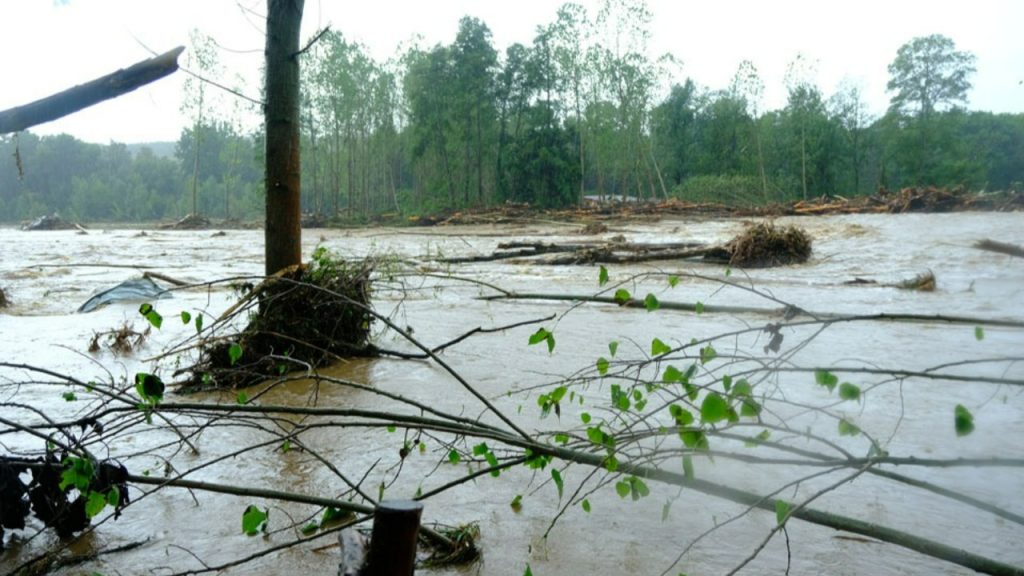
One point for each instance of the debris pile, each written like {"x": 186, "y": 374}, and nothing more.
{"x": 764, "y": 245}
{"x": 190, "y": 222}
{"x": 50, "y": 222}
{"x": 302, "y": 317}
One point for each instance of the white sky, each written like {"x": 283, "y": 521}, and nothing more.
{"x": 49, "y": 45}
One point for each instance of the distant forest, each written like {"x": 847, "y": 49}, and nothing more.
{"x": 573, "y": 114}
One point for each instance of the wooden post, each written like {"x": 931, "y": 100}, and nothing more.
{"x": 396, "y": 524}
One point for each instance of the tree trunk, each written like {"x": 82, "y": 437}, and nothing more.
{"x": 283, "y": 183}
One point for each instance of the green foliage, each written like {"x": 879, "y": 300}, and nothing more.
{"x": 254, "y": 520}
{"x": 185, "y": 317}
{"x": 602, "y": 276}
{"x": 847, "y": 428}
{"x": 633, "y": 487}
{"x": 152, "y": 316}
{"x": 659, "y": 348}
{"x": 651, "y": 303}
{"x": 482, "y": 449}
{"x": 543, "y": 335}
{"x": 781, "y": 511}
{"x": 979, "y": 333}
{"x": 963, "y": 420}
{"x": 234, "y": 353}
{"x": 556, "y": 477}
{"x": 613, "y": 347}
{"x": 714, "y": 408}
{"x": 826, "y": 379}
{"x": 77, "y": 473}
{"x": 517, "y": 503}
{"x": 602, "y": 366}
{"x": 150, "y": 388}
{"x": 622, "y": 296}
{"x": 849, "y": 391}
{"x": 552, "y": 400}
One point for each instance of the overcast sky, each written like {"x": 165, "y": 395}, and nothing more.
{"x": 50, "y": 45}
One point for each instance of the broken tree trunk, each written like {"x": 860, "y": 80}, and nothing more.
{"x": 1000, "y": 247}
{"x": 85, "y": 95}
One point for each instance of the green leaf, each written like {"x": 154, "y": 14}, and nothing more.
{"x": 149, "y": 387}
{"x": 714, "y": 408}
{"x": 742, "y": 388}
{"x": 517, "y": 503}
{"x": 253, "y": 520}
{"x": 695, "y": 439}
{"x": 543, "y": 335}
{"x": 481, "y": 449}
{"x": 602, "y": 276}
{"x": 749, "y": 408}
{"x": 95, "y": 504}
{"x": 562, "y": 438}
{"x": 602, "y": 365}
{"x": 585, "y": 504}
{"x": 651, "y": 303}
{"x": 622, "y": 488}
{"x": 113, "y": 496}
{"x": 979, "y": 333}
{"x": 826, "y": 379}
{"x": 151, "y": 315}
{"x": 698, "y": 307}
{"x": 242, "y": 398}
{"x": 671, "y": 374}
{"x": 688, "y": 467}
{"x": 199, "y": 323}
{"x": 286, "y": 446}
{"x": 557, "y": 477}
{"x": 69, "y": 396}
{"x": 234, "y": 352}
{"x": 849, "y": 391}
{"x": 639, "y": 488}
{"x": 781, "y": 511}
{"x": 613, "y": 347}
{"x": 707, "y": 354}
{"x": 658, "y": 347}
{"x": 585, "y": 417}
{"x": 681, "y": 415}
{"x": 332, "y": 514}
{"x": 528, "y": 572}
{"x": 454, "y": 457}
{"x": 622, "y": 296}
{"x": 963, "y": 420}
{"x": 673, "y": 281}
{"x": 847, "y": 428}
{"x": 78, "y": 472}
{"x": 185, "y": 317}
{"x": 309, "y": 529}
{"x": 391, "y": 428}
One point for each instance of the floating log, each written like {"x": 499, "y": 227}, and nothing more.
{"x": 1000, "y": 247}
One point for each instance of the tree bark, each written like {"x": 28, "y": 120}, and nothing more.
{"x": 84, "y": 95}
{"x": 283, "y": 182}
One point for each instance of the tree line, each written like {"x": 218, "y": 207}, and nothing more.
{"x": 583, "y": 110}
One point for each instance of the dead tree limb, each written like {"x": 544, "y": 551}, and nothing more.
{"x": 85, "y": 95}
{"x": 1000, "y": 247}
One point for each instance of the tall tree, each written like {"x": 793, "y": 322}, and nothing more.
{"x": 283, "y": 231}
{"x": 928, "y": 73}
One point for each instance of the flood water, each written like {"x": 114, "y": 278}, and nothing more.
{"x": 47, "y": 275}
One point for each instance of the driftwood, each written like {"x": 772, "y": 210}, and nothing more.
{"x": 85, "y": 95}
{"x": 1000, "y": 247}
{"x": 589, "y": 252}
{"x": 758, "y": 246}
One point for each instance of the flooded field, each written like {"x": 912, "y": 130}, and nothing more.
{"x": 48, "y": 275}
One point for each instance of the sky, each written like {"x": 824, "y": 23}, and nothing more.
{"x": 49, "y": 45}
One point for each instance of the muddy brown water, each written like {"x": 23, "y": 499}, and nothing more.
{"x": 47, "y": 275}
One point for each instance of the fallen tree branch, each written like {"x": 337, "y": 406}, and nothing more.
{"x": 1000, "y": 247}
{"x": 84, "y": 95}
{"x": 784, "y": 311}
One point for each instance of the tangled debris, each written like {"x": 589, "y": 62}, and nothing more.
{"x": 760, "y": 245}
{"x": 764, "y": 245}
{"x": 190, "y": 222}
{"x": 302, "y": 317}
{"x": 121, "y": 341}
{"x": 51, "y": 222}
{"x": 48, "y": 494}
